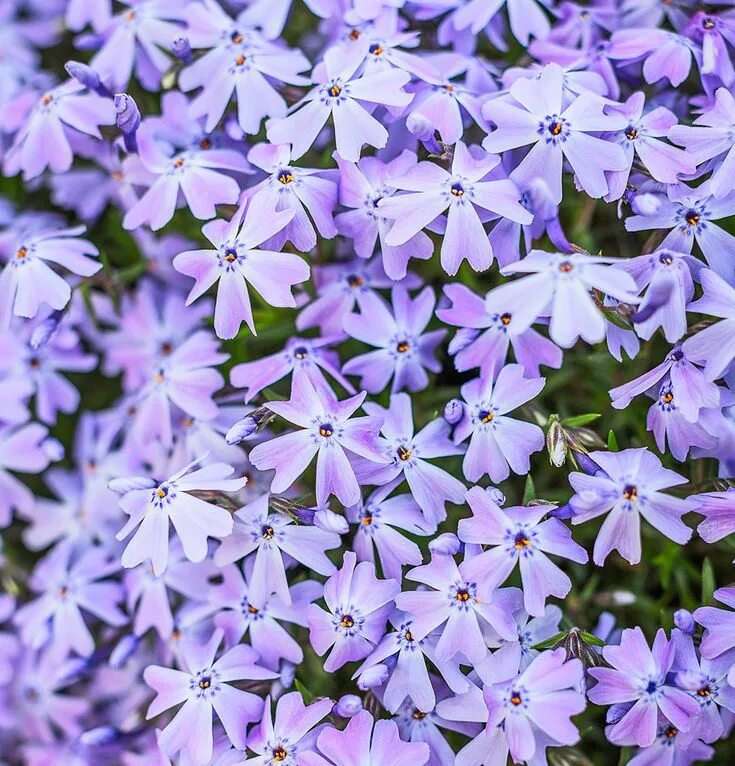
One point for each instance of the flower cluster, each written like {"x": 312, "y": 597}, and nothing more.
{"x": 287, "y": 290}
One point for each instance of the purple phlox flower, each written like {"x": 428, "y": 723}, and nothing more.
{"x": 21, "y": 449}
{"x": 640, "y": 675}
{"x": 499, "y": 444}
{"x": 664, "y": 54}
{"x": 520, "y": 652}
{"x": 629, "y": 486}
{"x": 27, "y": 280}
{"x": 463, "y": 607}
{"x": 342, "y": 95}
{"x": 246, "y": 64}
{"x": 668, "y": 422}
{"x": 666, "y": 275}
{"x": 519, "y": 536}
{"x": 380, "y": 522}
{"x": 408, "y": 453}
{"x": 185, "y": 378}
{"x": 690, "y": 214}
{"x": 530, "y": 711}
{"x": 719, "y": 627}
{"x": 714, "y": 346}
{"x": 96, "y": 13}
{"x": 149, "y": 596}
{"x": 203, "y": 686}
{"x": 358, "y": 605}
{"x": 403, "y": 350}
{"x": 691, "y": 390}
{"x": 713, "y": 32}
{"x": 340, "y": 287}
{"x": 301, "y": 356}
{"x": 59, "y": 114}
{"x": 237, "y": 261}
{"x": 560, "y": 287}
{"x": 718, "y": 509}
{"x": 327, "y": 432}
{"x": 641, "y": 138}
{"x": 706, "y": 682}
{"x": 237, "y": 616}
{"x": 299, "y": 189}
{"x": 652, "y": 13}
{"x": 493, "y": 332}
{"x": 535, "y": 114}
{"x": 67, "y": 583}
{"x": 40, "y": 707}
{"x": 283, "y": 741}
{"x": 409, "y": 677}
{"x": 362, "y": 743}
{"x": 442, "y": 102}
{"x": 10, "y": 646}
{"x": 270, "y": 537}
{"x": 151, "y": 324}
{"x": 432, "y": 191}
{"x": 194, "y": 520}
{"x": 362, "y": 187}
{"x": 711, "y": 139}
{"x": 137, "y": 38}
{"x": 195, "y": 172}
{"x": 41, "y": 367}
{"x": 618, "y": 339}
{"x": 526, "y": 17}
{"x": 671, "y": 748}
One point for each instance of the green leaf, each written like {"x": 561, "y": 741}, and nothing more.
{"x": 305, "y": 693}
{"x": 549, "y": 642}
{"x": 581, "y": 420}
{"x": 588, "y": 638}
{"x": 612, "y": 441}
{"x": 708, "y": 580}
{"x": 529, "y": 491}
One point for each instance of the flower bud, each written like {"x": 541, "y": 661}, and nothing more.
{"x": 684, "y": 621}
{"x": 42, "y": 332}
{"x": 128, "y": 119}
{"x": 53, "y": 449}
{"x": 645, "y": 204}
{"x": 181, "y": 48}
{"x": 445, "y": 545}
{"x": 462, "y": 338}
{"x": 330, "y": 521}
{"x": 453, "y": 411}
{"x": 128, "y": 484}
{"x": 99, "y": 737}
{"x": 288, "y": 674}
{"x": 424, "y": 131}
{"x": 347, "y": 706}
{"x": 124, "y": 650}
{"x": 495, "y": 495}
{"x": 556, "y": 444}
{"x": 84, "y": 74}
{"x": 372, "y": 677}
{"x": 563, "y": 512}
{"x": 241, "y": 430}
{"x": 586, "y": 463}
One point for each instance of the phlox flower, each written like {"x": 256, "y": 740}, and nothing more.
{"x": 498, "y": 443}
{"x": 718, "y": 509}
{"x": 27, "y": 280}
{"x": 559, "y": 286}
{"x": 628, "y": 486}
{"x": 489, "y": 333}
{"x": 328, "y": 433}
{"x": 535, "y": 114}
{"x": 340, "y": 96}
{"x": 358, "y": 605}
{"x": 367, "y": 745}
{"x": 403, "y": 350}
{"x": 194, "y": 520}
{"x": 203, "y": 686}
{"x": 66, "y": 582}
{"x": 719, "y": 627}
{"x": 519, "y": 536}
{"x": 638, "y": 674}
{"x": 459, "y": 607}
{"x": 268, "y": 537}
{"x": 284, "y": 741}
{"x": 236, "y": 262}
{"x": 461, "y": 194}
{"x": 79, "y": 13}
{"x": 408, "y": 453}
{"x": 526, "y": 17}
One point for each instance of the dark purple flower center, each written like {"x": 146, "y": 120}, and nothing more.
{"x": 692, "y": 217}
{"x": 666, "y": 259}
{"x": 355, "y": 280}
{"x": 486, "y": 416}
{"x": 404, "y": 453}
{"x": 279, "y": 754}
{"x": 708, "y": 23}
{"x": 631, "y": 133}
{"x": 630, "y": 492}
{"x": 402, "y": 346}
{"x": 230, "y": 254}
{"x": 670, "y": 732}
{"x": 515, "y": 698}
{"x": 705, "y": 691}
{"x": 267, "y": 532}
{"x": 376, "y": 49}
{"x": 521, "y": 541}
{"x": 651, "y": 688}
{"x": 326, "y": 430}
{"x": 555, "y": 127}
{"x": 457, "y": 190}
{"x": 347, "y": 621}
{"x": 285, "y": 177}
{"x": 505, "y": 318}
{"x": 236, "y": 37}
{"x": 300, "y": 352}
{"x": 205, "y": 682}
{"x": 462, "y": 595}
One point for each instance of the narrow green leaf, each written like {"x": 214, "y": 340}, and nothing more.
{"x": 529, "y": 492}
{"x": 549, "y": 642}
{"x": 708, "y": 580}
{"x": 581, "y": 420}
{"x": 612, "y": 441}
{"x": 305, "y": 693}
{"x": 591, "y": 639}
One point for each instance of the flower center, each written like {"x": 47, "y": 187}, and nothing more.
{"x": 708, "y": 23}
{"x": 205, "y": 144}
{"x": 279, "y": 754}
{"x": 705, "y": 691}
{"x": 355, "y": 280}
{"x": 404, "y": 453}
{"x": 651, "y": 688}
{"x": 236, "y": 37}
{"x": 667, "y": 398}
{"x": 631, "y": 133}
{"x": 670, "y": 732}
{"x": 230, "y": 254}
{"x": 505, "y": 318}
{"x": 367, "y": 518}
{"x": 402, "y": 346}
{"x": 179, "y": 162}
{"x": 300, "y": 353}
{"x": 285, "y": 177}
{"x": 462, "y": 595}
{"x": 347, "y": 621}
{"x": 205, "y": 682}
{"x": 692, "y": 217}
{"x": 565, "y": 267}
{"x": 418, "y": 715}
{"x": 555, "y": 127}
{"x": 355, "y": 34}
{"x": 267, "y": 532}
{"x": 376, "y": 49}
{"x": 521, "y": 541}
{"x": 326, "y": 430}
{"x": 22, "y": 253}
{"x": 46, "y": 100}
{"x": 253, "y": 609}
{"x": 457, "y": 190}
{"x": 240, "y": 60}
{"x": 334, "y": 91}
{"x": 630, "y": 492}
{"x": 162, "y": 492}
{"x": 515, "y": 698}
{"x": 666, "y": 259}
{"x": 486, "y": 416}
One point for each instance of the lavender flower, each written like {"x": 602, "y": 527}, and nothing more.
{"x": 718, "y": 624}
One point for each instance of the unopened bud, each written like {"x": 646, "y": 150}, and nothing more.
{"x": 100, "y": 736}
{"x": 453, "y": 411}
{"x": 462, "y": 338}
{"x": 347, "y": 706}
{"x": 556, "y": 444}
{"x": 53, "y": 449}
{"x": 124, "y": 650}
{"x": 372, "y": 677}
{"x": 181, "y": 48}
{"x": 241, "y": 430}
{"x": 424, "y": 131}
{"x": 586, "y": 463}
{"x": 84, "y": 74}
{"x": 684, "y": 621}
{"x": 330, "y": 521}
{"x": 128, "y": 119}
{"x": 130, "y": 483}
{"x": 445, "y": 545}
